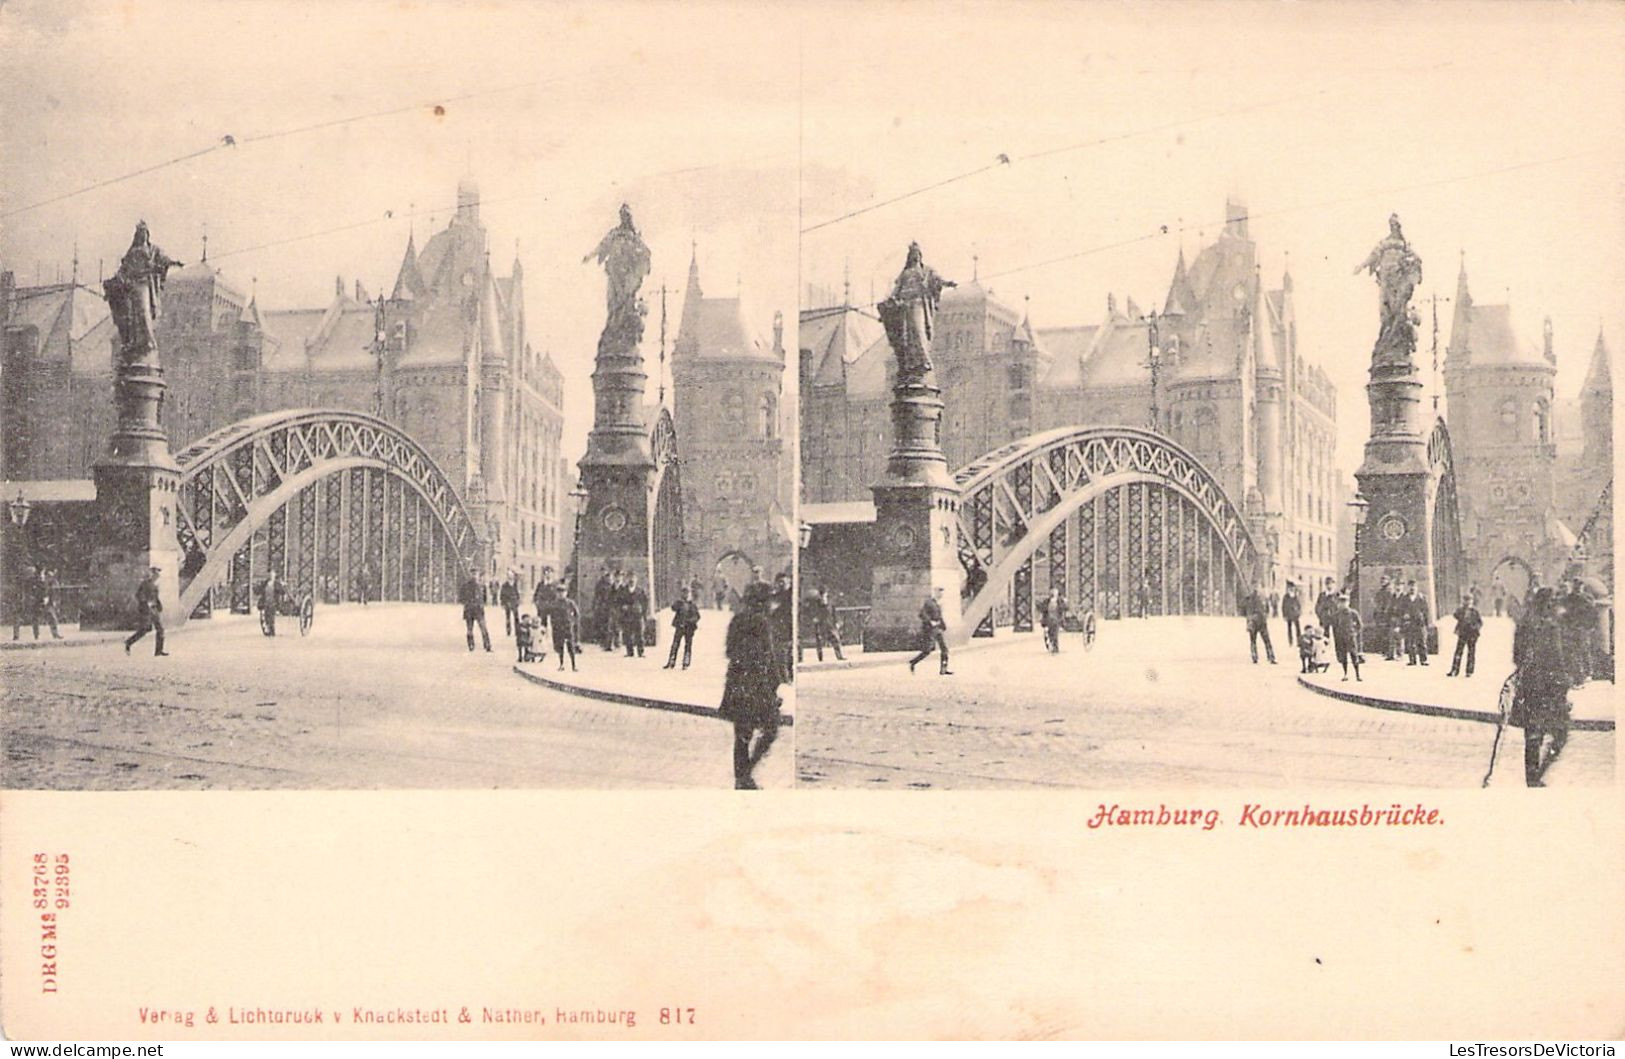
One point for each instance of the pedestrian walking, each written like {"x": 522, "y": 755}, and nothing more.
{"x": 1052, "y": 612}
{"x": 932, "y": 627}
{"x": 508, "y": 596}
{"x": 1578, "y": 621}
{"x": 1469, "y": 623}
{"x": 36, "y": 602}
{"x": 750, "y": 690}
{"x": 471, "y": 594}
{"x": 270, "y": 600}
{"x": 1258, "y": 624}
{"x": 564, "y": 618}
{"x": 1346, "y": 627}
{"x": 51, "y": 601}
{"x": 1326, "y": 604}
{"x": 634, "y": 611}
{"x": 820, "y": 615}
{"x": 685, "y": 619}
{"x": 149, "y": 613}
{"x": 363, "y": 583}
{"x": 1413, "y": 626}
{"x": 1541, "y": 706}
{"x": 1292, "y": 610}
{"x": 784, "y": 623}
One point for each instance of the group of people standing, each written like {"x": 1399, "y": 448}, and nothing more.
{"x": 620, "y": 610}
{"x": 1336, "y": 623}
{"x": 555, "y": 613}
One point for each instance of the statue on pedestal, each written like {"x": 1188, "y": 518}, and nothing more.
{"x": 625, "y": 259}
{"x": 909, "y": 313}
{"x": 134, "y": 293}
{"x": 1398, "y": 270}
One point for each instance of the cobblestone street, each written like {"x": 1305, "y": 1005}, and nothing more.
{"x": 1159, "y": 702}
{"x": 382, "y": 697}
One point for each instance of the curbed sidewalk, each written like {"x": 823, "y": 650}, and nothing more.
{"x": 1593, "y": 702}
{"x": 610, "y": 676}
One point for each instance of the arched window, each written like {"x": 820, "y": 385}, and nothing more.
{"x": 1509, "y": 413}
{"x": 768, "y": 410}
{"x": 1543, "y": 423}
{"x": 733, "y": 411}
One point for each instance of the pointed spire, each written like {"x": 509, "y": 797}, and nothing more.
{"x": 1286, "y": 273}
{"x": 1598, "y": 377}
{"x": 205, "y": 242}
{"x": 846, "y": 283}
{"x": 1461, "y": 324}
{"x": 409, "y": 281}
{"x": 1181, "y": 298}
{"x": 1546, "y": 340}
{"x": 688, "y": 330}
{"x": 1266, "y": 358}
{"x": 491, "y": 344}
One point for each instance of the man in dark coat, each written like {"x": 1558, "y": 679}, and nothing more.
{"x": 471, "y": 594}
{"x": 508, "y": 596}
{"x": 750, "y": 690}
{"x": 1292, "y": 610}
{"x": 1469, "y": 623}
{"x": 932, "y": 627}
{"x": 270, "y": 601}
{"x": 784, "y": 623}
{"x": 1052, "y": 612}
{"x": 1579, "y": 622}
{"x": 1345, "y": 632}
{"x": 564, "y": 619}
{"x": 634, "y": 609}
{"x": 35, "y": 601}
{"x": 1381, "y": 602}
{"x": 1413, "y": 626}
{"x": 149, "y": 611}
{"x": 1326, "y": 604}
{"x": 819, "y": 614}
{"x": 51, "y": 600}
{"x": 685, "y": 618}
{"x": 1258, "y": 624}
{"x": 1541, "y": 706}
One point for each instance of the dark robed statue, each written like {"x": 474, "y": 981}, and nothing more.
{"x": 134, "y": 294}
{"x": 909, "y": 315}
{"x": 1398, "y": 270}
{"x": 625, "y": 259}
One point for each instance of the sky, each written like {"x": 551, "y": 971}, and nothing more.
{"x": 1495, "y": 131}
{"x": 559, "y": 112}
{"x": 1323, "y": 118}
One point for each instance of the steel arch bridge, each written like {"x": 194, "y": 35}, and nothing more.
{"x": 1122, "y": 520}
{"x": 337, "y": 502}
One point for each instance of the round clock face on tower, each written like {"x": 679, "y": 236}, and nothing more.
{"x": 614, "y": 519}
{"x": 902, "y": 538}
{"x": 1392, "y": 527}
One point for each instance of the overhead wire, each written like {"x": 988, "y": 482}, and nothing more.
{"x": 229, "y": 140}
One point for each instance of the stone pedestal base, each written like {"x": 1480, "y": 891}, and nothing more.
{"x": 614, "y": 530}
{"x": 914, "y": 553}
{"x": 135, "y": 516}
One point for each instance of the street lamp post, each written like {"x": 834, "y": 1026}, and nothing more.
{"x": 1359, "y": 507}
{"x": 579, "y": 495}
{"x": 1154, "y": 362}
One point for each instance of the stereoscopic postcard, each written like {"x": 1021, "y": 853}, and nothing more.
{"x": 1129, "y": 488}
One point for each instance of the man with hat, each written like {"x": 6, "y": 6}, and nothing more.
{"x": 149, "y": 611}
{"x": 932, "y": 627}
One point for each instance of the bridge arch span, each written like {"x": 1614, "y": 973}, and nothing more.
{"x": 1122, "y": 520}
{"x": 342, "y": 504}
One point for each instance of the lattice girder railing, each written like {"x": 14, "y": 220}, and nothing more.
{"x": 243, "y": 489}
{"x": 1016, "y": 503}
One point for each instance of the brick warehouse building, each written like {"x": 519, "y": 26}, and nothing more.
{"x": 1230, "y": 385}
{"x": 444, "y": 356}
